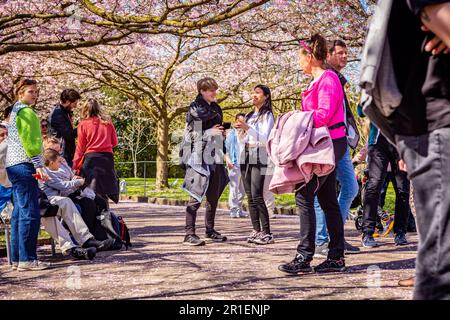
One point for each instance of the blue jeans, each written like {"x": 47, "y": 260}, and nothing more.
{"x": 346, "y": 177}
{"x": 5, "y": 196}
{"x": 26, "y": 218}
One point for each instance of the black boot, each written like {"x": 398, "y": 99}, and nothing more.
{"x": 83, "y": 254}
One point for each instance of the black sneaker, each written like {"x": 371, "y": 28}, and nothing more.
{"x": 83, "y": 254}
{"x": 297, "y": 265}
{"x": 193, "y": 240}
{"x": 349, "y": 249}
{"x": 400, "y": 240}
{"x": 331, "y": 266}
{"x": 215, "y": 236}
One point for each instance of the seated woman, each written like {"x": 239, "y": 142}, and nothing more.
{"x": 57, "y": 189}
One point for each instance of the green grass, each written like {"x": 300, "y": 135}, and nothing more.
{"x": 135, "y": 187}
{"x": 42, "y": 235}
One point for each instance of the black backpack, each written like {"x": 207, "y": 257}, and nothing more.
{"x": 116, "y": 229}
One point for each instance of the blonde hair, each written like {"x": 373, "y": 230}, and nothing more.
{"x": 49, "y": 140}
{"x": 92, "y": 108}
{"x": 207, "y": 84}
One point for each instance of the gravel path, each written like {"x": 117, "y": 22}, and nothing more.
{"x": 159, "y": 267}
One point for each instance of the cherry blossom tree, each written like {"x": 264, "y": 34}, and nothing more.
{"x": 34, "y": 25}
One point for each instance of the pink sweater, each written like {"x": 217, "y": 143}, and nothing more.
{"x": 325, "y": 98}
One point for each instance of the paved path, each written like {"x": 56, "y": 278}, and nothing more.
{"x": 159, "y": 267}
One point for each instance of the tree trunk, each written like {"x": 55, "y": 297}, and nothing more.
{"x": 162, "y": 154}
{"x": 135, "y": 168}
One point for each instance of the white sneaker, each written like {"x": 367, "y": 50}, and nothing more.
{"x": 14, "y": 265}
{"x": 242, "y": 214}
{"x": 34, "y": 265}
{"x": 234, "y": 213}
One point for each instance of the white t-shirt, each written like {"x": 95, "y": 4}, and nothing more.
{"x": 259, "y": 129}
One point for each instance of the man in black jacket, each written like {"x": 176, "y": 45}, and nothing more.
{"x": 60, "y": 123}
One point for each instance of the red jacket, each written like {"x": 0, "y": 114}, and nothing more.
{"x": 93, "y": 136}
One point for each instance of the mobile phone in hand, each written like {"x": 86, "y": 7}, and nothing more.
{"x": 226, "y": 125}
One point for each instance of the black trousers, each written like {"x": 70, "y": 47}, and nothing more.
{"x": 379, "y": 157}
{"x": 411, "y": 222}
{"x": 325, "y": 189}
{"x": 253, "y": 177}
{"x": 212, "y": 198}
{"x": 90, "y": 209}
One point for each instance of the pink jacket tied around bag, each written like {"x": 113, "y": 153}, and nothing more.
{"x": 298, "y": 151}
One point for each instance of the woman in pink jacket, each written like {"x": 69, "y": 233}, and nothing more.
{"x": 325, "y": 97}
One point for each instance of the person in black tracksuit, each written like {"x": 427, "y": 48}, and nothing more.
{"x": 60, "y": 123}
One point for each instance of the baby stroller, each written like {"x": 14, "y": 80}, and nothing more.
{"x": 385, "y": 219}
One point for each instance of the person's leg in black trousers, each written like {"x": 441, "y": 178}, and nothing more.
{"x": 191, "y": 215}
{"x": 304, "y": 200}
{"x": 246, "y": 173}
{"x": 402, "y": 209}
{"x": 253, "y": 179}
{"x": 88, "y": 211}
{"x": 384, "y": 189}
{"x": 328, "y": 202}
{"x": 378, "y": 161}
{"x": 212, "y": 199}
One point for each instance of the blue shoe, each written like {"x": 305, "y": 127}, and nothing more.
{"x": 369, "y": 242}
{"x": 400, "y": 240}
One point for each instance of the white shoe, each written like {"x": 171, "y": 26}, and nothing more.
{"x": 242, "y": 214}
{"x": 34, "y": 265}
{"x": 14, "y": 265}
{"x": 234, "y": 213}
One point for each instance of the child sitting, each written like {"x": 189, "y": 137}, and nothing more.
{"x": 57, "y": 188}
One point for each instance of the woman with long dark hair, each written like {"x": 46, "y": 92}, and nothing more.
{"x": 325, "y": 98}
{"x": 259, "y": 122}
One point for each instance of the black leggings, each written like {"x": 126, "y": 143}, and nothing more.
{"x": 325, "y": 189}
{"x": 253, "y": 176}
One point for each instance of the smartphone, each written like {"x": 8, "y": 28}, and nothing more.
{"x": 226, "y": 125}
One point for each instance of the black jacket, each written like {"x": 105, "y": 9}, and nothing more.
{"x": 196, "y": 183}
{"x": 60, "y": 125}
{"x": 209, "y": 115}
